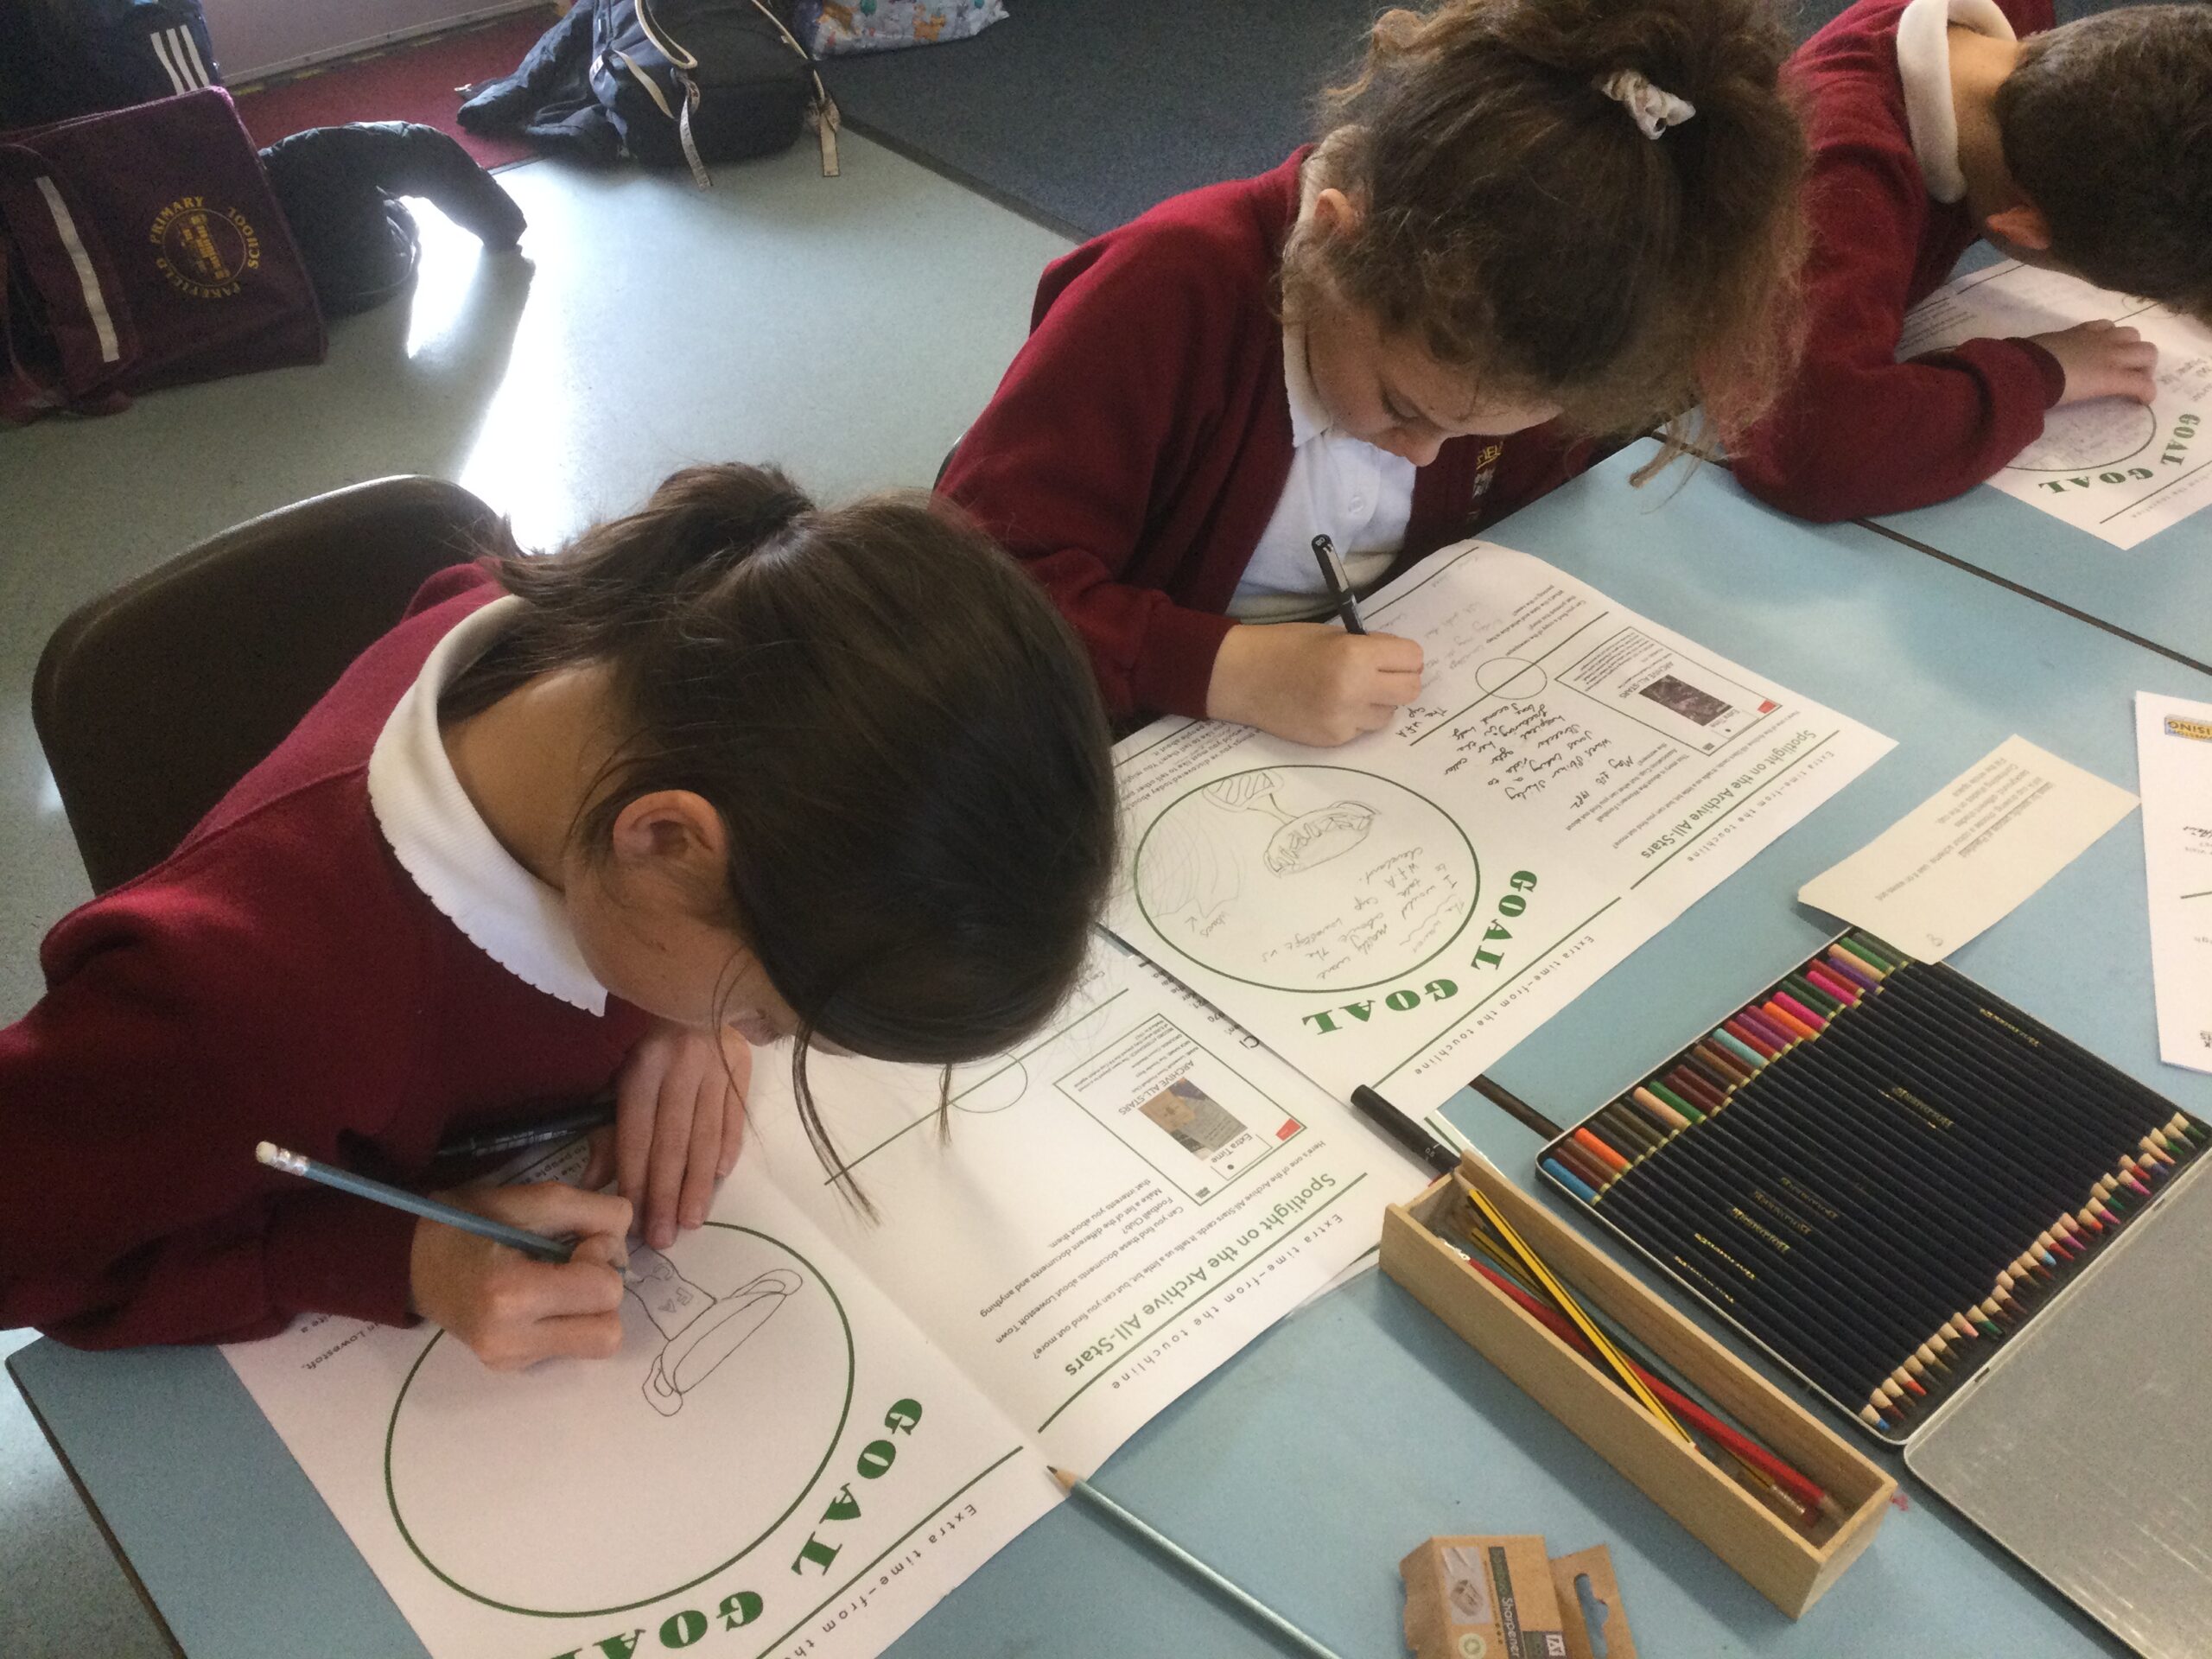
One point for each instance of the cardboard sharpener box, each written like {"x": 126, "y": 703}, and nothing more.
{"x": 1783, "y": 1563}
{"x": 1505, "y": 1598}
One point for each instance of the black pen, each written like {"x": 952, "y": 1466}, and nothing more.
{"x": 515, "y": 1136}
{"x": 1332, "y": 572}
{"x": 1403, "y": 1130}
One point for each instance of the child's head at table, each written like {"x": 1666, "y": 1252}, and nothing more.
{"x": 1530, "y": 208}
{"x": 2106, "y": 129}
{"x": 849, "y": 782}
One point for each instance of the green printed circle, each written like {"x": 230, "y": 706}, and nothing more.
{"x": 1243, "y": 876}
{"x": 2070, "y": 435}
{"x": 574, "y": 1490}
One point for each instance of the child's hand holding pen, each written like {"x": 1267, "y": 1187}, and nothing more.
{"x": 1312, "y": 682}
{"x": 514, "y": 1309}
{"x": 679, "y": 1121}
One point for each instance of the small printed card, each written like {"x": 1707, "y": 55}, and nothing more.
{"x": 1969, "y": 853}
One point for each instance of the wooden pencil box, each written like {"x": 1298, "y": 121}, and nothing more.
{"x": 1781, "y": 1563}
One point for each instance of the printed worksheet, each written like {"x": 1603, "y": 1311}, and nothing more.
{"x": 1399, "y": 912}
{"x": 2173, "y": 744}
{"x": 2118, "y": 470}
{"x": 818, "y": 1424}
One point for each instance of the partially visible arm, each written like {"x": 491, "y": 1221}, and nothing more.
{"x": 131, "y": 1209}
{"x": 1857, "y": 433}
{"x": 1096, "y": 417}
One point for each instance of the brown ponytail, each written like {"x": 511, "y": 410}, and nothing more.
{"x": 900, "y": 732}
{"x": 1517, "y": 223}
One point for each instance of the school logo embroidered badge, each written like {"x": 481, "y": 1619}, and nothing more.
{"x": 1486, "y": 471}
{"x": 204, "y": 251}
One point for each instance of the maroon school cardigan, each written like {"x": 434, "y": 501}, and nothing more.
{"x": 1136, "y": 448}
{"x": 1858, "y": 432}
{"x": 279, "y": 977}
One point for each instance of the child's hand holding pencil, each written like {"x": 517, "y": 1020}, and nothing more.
{"x": 512, "y": 1309}
{"x": 518, "y": 1274}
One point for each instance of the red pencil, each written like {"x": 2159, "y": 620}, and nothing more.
{"x": 1805, "y": 1491}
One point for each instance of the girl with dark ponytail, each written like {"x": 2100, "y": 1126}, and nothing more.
{"x": 1530, "y": 227}
{"x": 731, "y": 770}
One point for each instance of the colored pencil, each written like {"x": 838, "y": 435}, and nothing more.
{"x": 1076, "y": 1487}
{"x": 530, "y": 1243}
{"x": 1738, "y": 1445}
{"x": 1573, "y": 1309}
{"x": 1879, "y": 1169}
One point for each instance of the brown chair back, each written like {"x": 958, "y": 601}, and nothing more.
{"x": 152, "y": 702}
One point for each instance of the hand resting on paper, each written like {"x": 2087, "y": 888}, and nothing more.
{"x": 679, "y": 1119}
{"x": 2102, "y": 360}
{"x": 512, "y": 1310}
{"x": 1311, "y": 681}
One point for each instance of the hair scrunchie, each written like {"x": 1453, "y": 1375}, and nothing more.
{"x": 1653, "y": 110}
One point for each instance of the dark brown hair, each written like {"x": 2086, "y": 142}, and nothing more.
{"x": 1516, "y": 222}
{"x": 899, "y": 731}
{"x": 2107, "y": 126}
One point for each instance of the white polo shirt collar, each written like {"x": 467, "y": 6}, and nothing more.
{"x": 1309, "y": 417}
{"x": 443, "y": 843}
{"x": 1924, "y": 67}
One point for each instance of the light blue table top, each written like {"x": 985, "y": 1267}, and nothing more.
{"x": 2159, "y": 590}
{"x": 1309, "y": 1465}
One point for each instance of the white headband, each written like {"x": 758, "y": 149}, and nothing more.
{"x": 1652, "y": 110}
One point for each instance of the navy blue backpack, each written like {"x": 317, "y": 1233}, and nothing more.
{"x": 63, "y": 58}
{"x": 669, "y": 83}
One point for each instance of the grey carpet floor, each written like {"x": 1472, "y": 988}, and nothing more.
{"x": 1083, "y": 113}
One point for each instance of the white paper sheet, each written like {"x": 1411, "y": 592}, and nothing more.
{"x": 1401, "y": 911}
{"x": 817, "y": 1425}
{"x": 1968, "y": 855}
{"x": 2173, "y": 744}
{"x": 2118, "y": 470}
{"x": 1119, "y": 1205}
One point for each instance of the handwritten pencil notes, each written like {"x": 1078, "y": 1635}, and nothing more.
{"x": 817, "y": 1425}
{"x": 2120, "y": 470}
{"x": 1401, "y": 911}
{"x": 1969, "y": 853}
{"x": 2173, "y": 746}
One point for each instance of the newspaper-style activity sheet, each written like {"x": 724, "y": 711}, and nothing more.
{"x": 1402, "y": 910}
{"x": 2120, "y": 470}
{"x": 2173, "y": 745}
{"x": 1101, "y": 1216}
{"x": 818, "y": 1424}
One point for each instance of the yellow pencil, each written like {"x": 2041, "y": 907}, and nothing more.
{"x": 1583, "y": 1322}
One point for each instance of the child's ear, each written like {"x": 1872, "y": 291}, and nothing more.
{"x": 1335, "y": 214}
{"x": 2023, "y": 225}
{"x": 676, "y": 830}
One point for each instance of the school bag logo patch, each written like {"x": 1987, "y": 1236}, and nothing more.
{"x": 203, "y": 251}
